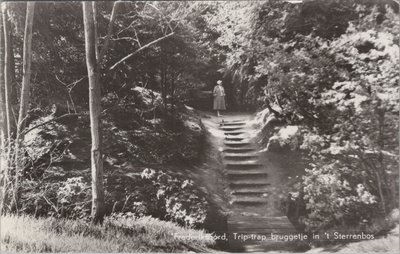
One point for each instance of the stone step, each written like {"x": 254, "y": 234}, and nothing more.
{"x": 242, "y": 162}
{"x": 247, "y": 183}
{"x": 236, "y": 120}
{"x": 243, "y": 222}
{"x": 230, "y": 128}
{"x": 233, "y": 123}
{"x": 239, "y": 158}
{"x": 256, "y": 190}
{"x": 249, "y": 200}
{"x": 235, "y": 138}
{"x": 233, "y": 177}
{"x": 249, "y": 194}
{"x": 234, "y": 133}
{"x": 239, "y": 149}
{"x": 248, "y": 172}
{"x": 261, "y": 225}
{"x": 231, "y": 165}
{"x": 241, "y": 155}
{"x": 237, "y": 143}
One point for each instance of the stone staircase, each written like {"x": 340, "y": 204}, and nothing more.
{"x": 255, "y": 210}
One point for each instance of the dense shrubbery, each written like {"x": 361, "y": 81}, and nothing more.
{"x": 57, "y": 173}
{"x": 69, "y": 199}
{"x": 358, "y": 153}
{"x": 330, "y": 68}
{"x": 170, "y": 197}
{"x": 167, "y": 196}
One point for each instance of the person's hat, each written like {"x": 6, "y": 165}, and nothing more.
{"x": 219, "y": 82}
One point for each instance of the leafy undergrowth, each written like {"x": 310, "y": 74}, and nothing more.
{"x": 117, "y": 234}
{"x": 136, "y": 140}
{"x": 159, "y": 193}
{"x": 135, "y": 132}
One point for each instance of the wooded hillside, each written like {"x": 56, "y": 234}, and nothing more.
{"x": 102, "y": 106}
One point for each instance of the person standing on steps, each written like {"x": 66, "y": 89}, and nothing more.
{"x": 219, "y": 98}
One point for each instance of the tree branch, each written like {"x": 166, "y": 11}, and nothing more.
{"x": 71, "y": 85}
{"x": 124, "y": 39}
{"x": 109, "y": 32}
{"x": 140, "y": 49}
{"x": 52, "y": 120}
{"x": 162, "y": 14}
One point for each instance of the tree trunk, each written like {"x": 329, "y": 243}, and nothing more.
{"x": 25, "y": 99}
{"x": 172, "y": 94}
{"x": 3, "y": 115}
{"x": 14, "y": 84}
{"x": 162, "y": 84}
{"x": 7, "y": 73}
{"x": 26, "y": 68}
{"x": 3, "y": 124}
{"x": 96, "y": 34}
{"x": 109, "y": 32}
{"x": 96, "y": 48}
{"x": 95, "y": 110}
{"x": 101, "y": 53}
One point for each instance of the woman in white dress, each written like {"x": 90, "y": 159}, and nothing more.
{"x": 219, "y": 97}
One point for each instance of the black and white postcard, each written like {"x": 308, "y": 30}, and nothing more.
{"x": 199, "y": 126}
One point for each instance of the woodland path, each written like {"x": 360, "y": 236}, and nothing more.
{"x": 253, "y": 186}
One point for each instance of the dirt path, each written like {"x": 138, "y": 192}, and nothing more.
{"x": 252, "y": 182}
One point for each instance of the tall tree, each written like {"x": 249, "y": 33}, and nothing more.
{"x": 3, "y": 123}
{"x": 95, "y": 110}
{"x": 25, "y": 97}
{"x": 27, "y": 60}
{"x": 3, "y": 120}
{"x": 7, "y": 72}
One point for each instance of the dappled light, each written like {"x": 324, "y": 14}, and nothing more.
{"x": 199, "y": 126}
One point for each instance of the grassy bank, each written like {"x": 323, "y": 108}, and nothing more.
{"x": 28, "y": 234}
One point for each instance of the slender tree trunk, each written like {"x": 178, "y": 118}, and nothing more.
{"x": 96, "y": 34}
{"x": 109, "y": 32}
{"x": 14, "y": 85}
{"x": 95, "y": 110}
{"x": 3, "y": 124}
{"x": 7, "y": 108}
{"x": 380, "y": 189}
{"x": 3, "y": 115}
{"x": 172, "y": 94}
{"x": 27, "y": 61}
{"x": 163, "y": 84}
{"x": 101, "y": 53}
{"x": 7, "y": 73}
{"x": 25, "y": 99}
{"x": 96, "y": 47}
